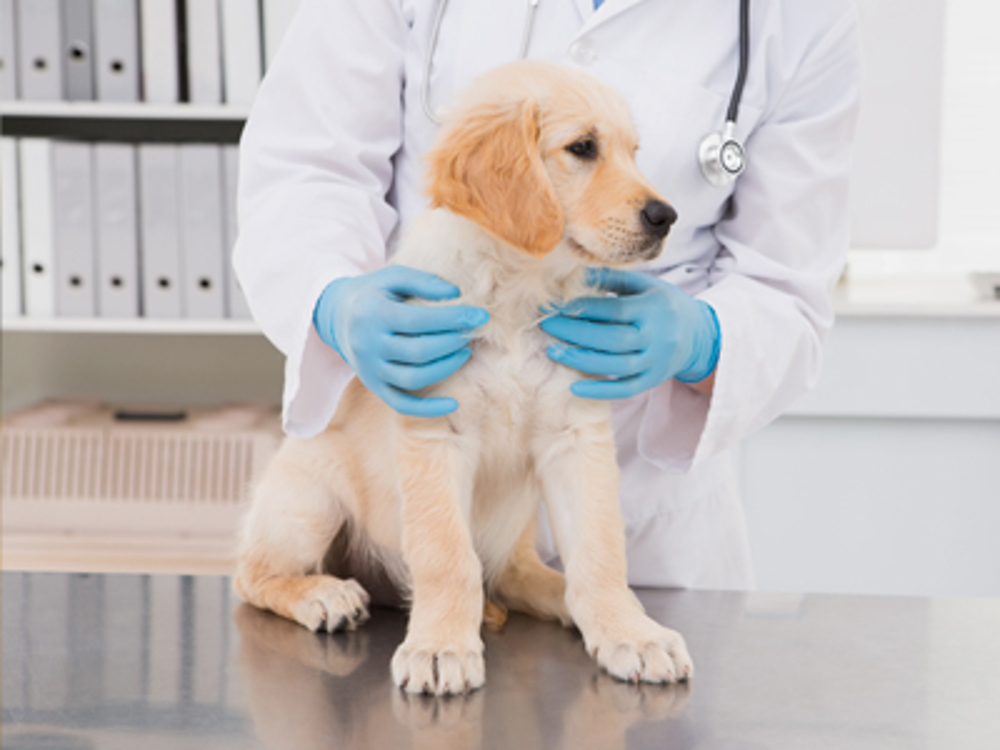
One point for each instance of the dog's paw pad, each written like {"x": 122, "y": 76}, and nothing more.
{"x": 332, "y": 604}
{"x": 660, "y": 657}
{"x": 438, "y": 670}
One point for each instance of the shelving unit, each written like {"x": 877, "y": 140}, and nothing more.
{"x": 145, "y": 361}
{"x": 31, "y": 342}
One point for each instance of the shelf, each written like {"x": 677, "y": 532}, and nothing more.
{"x": 141, "y": 326}
{"x": 163, "y": 123}
{"x": 123, "y": 111}
{"x": 915, "y": 296}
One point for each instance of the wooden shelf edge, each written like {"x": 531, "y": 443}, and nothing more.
{"x": 140, "y": 326}
{"x": 136, "y": 554}
{"x": 122, "y": 111}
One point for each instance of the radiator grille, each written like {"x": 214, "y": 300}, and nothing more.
{"x": 131, "y": 465}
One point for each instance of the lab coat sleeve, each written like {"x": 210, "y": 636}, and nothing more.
{"x": 315, "y": 168}
{"x": 783, "y": 247}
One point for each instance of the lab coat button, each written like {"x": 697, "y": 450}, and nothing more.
{"x": 583, "y": 52}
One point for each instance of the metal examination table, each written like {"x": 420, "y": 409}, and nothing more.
{"x": 113, "y": 661}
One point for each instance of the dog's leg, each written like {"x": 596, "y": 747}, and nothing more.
{"x": 530, "y": 586}
{"x": 580, "y": 484}
{"x": 443, "y": 651}
{"x": 292, "y": 521}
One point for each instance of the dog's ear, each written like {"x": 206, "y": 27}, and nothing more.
{"x": 487, "y": 167}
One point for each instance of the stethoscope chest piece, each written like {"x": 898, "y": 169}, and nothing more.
{"x": 722, "y": 157}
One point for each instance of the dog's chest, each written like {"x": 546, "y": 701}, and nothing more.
{"x": 511, "y": 384}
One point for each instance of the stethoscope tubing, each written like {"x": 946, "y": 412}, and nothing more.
{"x": 732, "y": 111}
{"x": 425, "y": 87}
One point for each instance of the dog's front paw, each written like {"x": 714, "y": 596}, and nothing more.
{"x": 332, "y": 604}
{"x": 645, "y": 653}
{"x": 422, "y": 666}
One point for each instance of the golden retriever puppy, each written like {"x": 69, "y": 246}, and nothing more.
{"x": 531, "y": 180}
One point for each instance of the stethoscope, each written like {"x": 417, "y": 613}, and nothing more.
{"x": 720, "y": 154}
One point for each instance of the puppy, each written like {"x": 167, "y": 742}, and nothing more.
{"x": 532, "y": 180}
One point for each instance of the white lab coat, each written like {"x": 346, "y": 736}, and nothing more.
{"x": 331, "y": 172}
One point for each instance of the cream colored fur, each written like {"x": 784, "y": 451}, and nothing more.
{"x": 442, "y": 509}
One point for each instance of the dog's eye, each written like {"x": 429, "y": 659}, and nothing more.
{"x": 585, "y": 148}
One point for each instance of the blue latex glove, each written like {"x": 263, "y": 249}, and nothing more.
{"x": 649, "y": 332}
{"x": 394, "y": 346}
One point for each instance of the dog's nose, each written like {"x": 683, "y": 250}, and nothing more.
{"x": 657, "y": 218}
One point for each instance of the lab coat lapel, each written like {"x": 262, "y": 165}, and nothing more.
{"x": 609, "y": 9}
{"x": 585, "y": 8}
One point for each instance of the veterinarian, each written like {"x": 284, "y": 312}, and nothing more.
{"x": 731, "y": 317}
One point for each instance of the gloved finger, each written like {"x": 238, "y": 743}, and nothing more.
{"x": 603, "y": 309}
{"x": 415, "y": 377}
{"x": 609, "y": 390}
{"x": 619, "y": 281}
{"x": 615, "y": 338}
{"x": 407, "y": 282}
{"x": 599, "y": 363}
{"x": 414, "y": 406}
{"x": 421, "y": 350}
{"x": 416, "y": 320}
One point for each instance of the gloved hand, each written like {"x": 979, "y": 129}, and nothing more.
{"x": 394, "y": 346}
{"x": 649, "y": 332}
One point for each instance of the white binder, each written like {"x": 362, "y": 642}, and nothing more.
{"x": 241, "y": 53}
{"x": 73, "y": 228}
{"x": 11, "y": 236}
{"x": 204, "y": 51}
{"x": 39, "y": 49}
{"x": 160, "y": 67}
{"x": 236, "y": 303}
{"x": 201, "y": 231}
{"x": 36, "y": 227}
{"x": 116, "y": 49}
{"x": 78, "y": 45}
{"x": 160, "y": 230}
{"x": 8, "y": 51}
{"x": 278, "y": 15}
{"x": 117, "y": 231}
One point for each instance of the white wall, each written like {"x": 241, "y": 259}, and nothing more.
{"x": 886, "y": 479}
{"x": 969, "y": 233}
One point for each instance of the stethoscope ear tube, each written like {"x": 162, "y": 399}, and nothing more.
{"x": 425, "y": 87}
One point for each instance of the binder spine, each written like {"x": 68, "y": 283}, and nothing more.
{"x": 236, "y": 304}
{"x": 73, "y": 235}
{"x": 117, "y": 230}
{"x": 159, "y": 44}
{"x": 36, "y": 227}
{"x": 11, "y": 237}
{"x": 159, "y": 221}
{"x": 202, "y": 231}
{"x": 116, "y": 34}
{"x": 204, "y": 53}
{"x": 8, "y": 51}
{"x": 39, "y": 49}
{"x": 241, "y": 50}
{"x": 77, "y": 38}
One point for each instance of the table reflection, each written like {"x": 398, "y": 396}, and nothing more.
{"x": 309, "y": 690}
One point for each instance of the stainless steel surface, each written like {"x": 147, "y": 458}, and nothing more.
{"x": 107, "y": 661}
